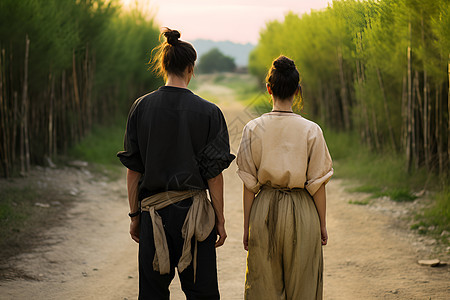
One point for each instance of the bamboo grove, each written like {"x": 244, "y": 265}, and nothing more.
{"x": 65, "y": 66}
{"x": 380, "y": 68}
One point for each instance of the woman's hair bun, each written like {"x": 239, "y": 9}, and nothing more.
{"x": 284, "y": 64}
{"x": 172, "y": 36}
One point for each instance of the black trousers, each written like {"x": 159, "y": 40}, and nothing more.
{"x": 153, "y": 285}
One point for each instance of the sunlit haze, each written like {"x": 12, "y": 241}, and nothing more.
{"x": 238, "y": 21}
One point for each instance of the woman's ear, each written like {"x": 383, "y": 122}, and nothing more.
{"x": 269, "y": 90}
{"x": 298, "y": 90}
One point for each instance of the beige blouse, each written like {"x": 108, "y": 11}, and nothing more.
{"x": 283, "y": 150}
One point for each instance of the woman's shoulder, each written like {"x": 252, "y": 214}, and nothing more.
{"x": 307, "y": 122}
{"x": 252, "y": 124}
{"x": 295, "y": 119}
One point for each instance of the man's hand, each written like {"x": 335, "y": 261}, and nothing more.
{"x": 215, "y": 186}
{"x": 133, "y": 187}
{"x": 221, "y": 232}
{"x": 134, "y": 228}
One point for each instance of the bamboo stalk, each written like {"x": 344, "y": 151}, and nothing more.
{"x": 322, "y": 108}
{"x": 64, "y": 108}
{"x": 438, "y": 128}
{"x": 426, "y": 126}
{"x": 343, "y": 92}
{"x": 442, "y": 135}
{"x": 367, "y": 133}
{"x": 87, "y": 96}
{"x": 386, "y": 110}
{"x": 421, "y": 110}
{"x": 55, "y": 119}
{"x": 360, "y": 82}
{"x": 79, "y": 128}
{"x": 448, "y": 115}
{"x": 94, "y": 107}
{"x": 408, "y": 113}
{"x": 15, "y": 114}
{"x": 404, "y": 113}
{"x": 24, "y": 143}
{"x": 367, "y": 130}
{"x": 413, "y": 124}
{"x": 426, "y": 147}
{"x": 14, "y": 127}
{"x": 375, "y": 130}
{"x": 5, "y": 128}
{"x": 51, "y": 150}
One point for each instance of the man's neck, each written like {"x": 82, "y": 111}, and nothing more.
{"x": 177, "y": 81}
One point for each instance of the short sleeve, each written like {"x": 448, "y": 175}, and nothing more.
{"x": 246, "y": 167}
{"x": 131, "y": 156}
{"x": 320, "y": 167}
{"x": 215, "y": 156}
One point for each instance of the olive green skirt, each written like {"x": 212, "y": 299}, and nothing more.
{"x": 284, "y": 258}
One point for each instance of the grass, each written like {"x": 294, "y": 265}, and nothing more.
{"x": 369, "y": 189}
{"x": 21, "y": 220}
{"x": 435, "y": 219}
{"x": 381, "y": 174}
{"x": 398, "y": 195}
{"x": 101, "y": 144}
{"x": 99, "y": 148}
{"x": 14, "y": 206}
{"x": 359, "y": 202}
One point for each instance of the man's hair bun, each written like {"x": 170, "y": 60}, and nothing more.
{"x": 284, "y": 65}
{"x": 172, "y": 55}
{"x": 172, "y": 36}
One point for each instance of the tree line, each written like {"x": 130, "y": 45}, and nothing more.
{"x": 380, "y": 68}
{"x": 65, "y": 66}
{"x": 215, "y": 61}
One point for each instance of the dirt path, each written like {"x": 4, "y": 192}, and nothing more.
{"x": 90, "y": 256}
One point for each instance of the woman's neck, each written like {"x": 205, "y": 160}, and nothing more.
{"x": 282, "y": 105}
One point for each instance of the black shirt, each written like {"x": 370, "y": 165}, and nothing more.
{"x": 176, "y": 139}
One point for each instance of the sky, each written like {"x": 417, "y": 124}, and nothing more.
{"x": 239, "y": 21}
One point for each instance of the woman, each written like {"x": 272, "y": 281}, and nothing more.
{"x": 176, "y": 147}
{"x": 283, "y": 160}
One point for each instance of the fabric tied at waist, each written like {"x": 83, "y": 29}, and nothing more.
{"x": 199, "y": 222}
{"x": 272, "y": 214}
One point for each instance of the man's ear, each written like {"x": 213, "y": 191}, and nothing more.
{"x": 191, "y": 69}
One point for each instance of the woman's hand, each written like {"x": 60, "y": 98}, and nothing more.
{"x": 245, "y": 239}
{"x": 248, "y": 198}
{"x": 134, "y": 228}
{"x": 324, "y": 234}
